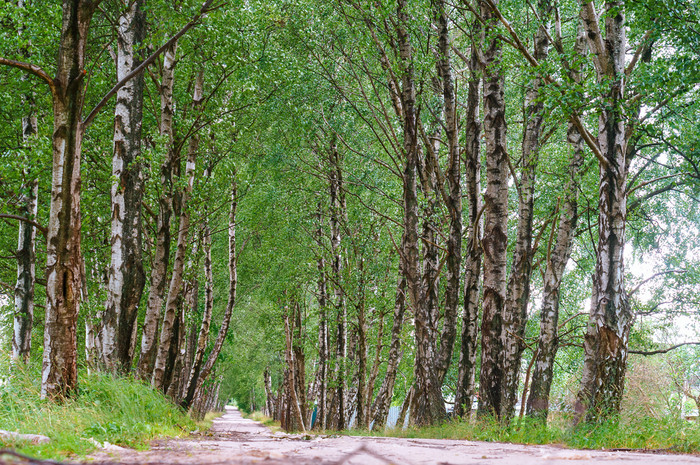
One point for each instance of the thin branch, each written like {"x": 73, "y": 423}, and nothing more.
{"x": 43, "y": 230}
{"x": 575, "y": 315}
{"x": 202, "y": 12}
{"x": 637, "y": 202}
{"x": 31, "y": 69}
{"x": 663, "y": 351}
{"x": 594, "y": 35}
{"x": 651, "y": 181}
{"x": 637, "y": 53}
{"x": 574, "y": 118}
{"x": 654, "y": 276}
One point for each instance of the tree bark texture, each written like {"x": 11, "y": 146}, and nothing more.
{"x": 605, "y": 343}
{"x": 64, "y": 263}
{"x": 495, "y": 239}
{"x": 26, "y": 253}
{"x": 208, "y": 366}
{"x": 299, "y": 359}
{"x": 338, "y": 208}
{"x": 162, "y": 369}
{"x": 518, "y": 289}
{"x": 203, "y": 338}
{"x": 557, "y": 256}
{"x": 382, "y": 403}
{"x": 323, "y": 345}
{"x": 295, "y": 421}
{"x": 126, "y": 274}
{"x": 362, "y": 405}
{"x": 454, "y": 199}
{"x": 466, "y": 388}
{"x": 425, "y": 406}
{"x": 270, "y": 400}
{"x": 161, "y": 259}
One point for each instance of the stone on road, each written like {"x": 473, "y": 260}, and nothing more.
{"x": 235, "y": 440}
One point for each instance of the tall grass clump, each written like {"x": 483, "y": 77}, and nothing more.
{"x": 120, "y": 411}
{"x": 668, "y": 433}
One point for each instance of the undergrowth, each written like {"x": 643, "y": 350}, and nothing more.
{"x": 671, "y": 434}
{"x": 120, "y": 411}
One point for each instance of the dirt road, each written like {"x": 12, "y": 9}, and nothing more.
{"x": 235, "y": 440}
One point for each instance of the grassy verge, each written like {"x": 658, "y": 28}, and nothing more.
{"x": 265, "y": 420}
{"x": 672, "y": 434}
{"x": 120, "y": 411}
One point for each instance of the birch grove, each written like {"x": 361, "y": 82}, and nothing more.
{"x": 350, "y": 214}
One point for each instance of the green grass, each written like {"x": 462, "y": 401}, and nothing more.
{"x": 120, "y": 411}
{"x": 672, "y": 434}
{"x": 264, "y": 419}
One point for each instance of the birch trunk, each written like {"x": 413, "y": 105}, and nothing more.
{"x": 166, "y": 335}
{"x": 426, "y": 404}
{"x": 322, "y": 374}
{"x": 518, "y": 290}
{"x": 337, "y": 214}
{"x": 495, "y": 238}
{"x": 557, "y": 257}
{"x": 64, "y": 263}
{"x": 173, "y": 372}
{"x": 292, "y": 382}
{"x": 466, "y": 388}
{"x": 382, "y": 403}
{"x": 269, "y": 396}
{"x": 299, "y": 365}
{"x": 203, "y": 337}
{"x": 26, "y": 254}
{"x": 208, "y": 366}
{"x": 605, "y": 343}
{"x": 454, "y": 200}
{"x": 362, "y": 407}
{"x": 161, "y": 259}
{"x": 538, "y": 401}
{"x": 374, "y": 372}
{"x": 126, "y": 275}
{"x": 182, "y": 366}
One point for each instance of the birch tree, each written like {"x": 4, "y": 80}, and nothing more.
{"x": 126, "y": 274}
{"x": 64, "y": 266}
{"x": 495, "y": 235}
{"x": 518, "y": 289}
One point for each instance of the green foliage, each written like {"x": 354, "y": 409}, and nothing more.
{"x": 120, "y": 411}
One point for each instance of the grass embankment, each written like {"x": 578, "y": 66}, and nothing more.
{"x": 120, "y": 411}
{"x": 671, "y": 434}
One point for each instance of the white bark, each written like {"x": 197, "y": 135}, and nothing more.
{"x": 605, "y": 343}
{"x": 126, "y": 277}
{"x": 495, "y": 235}
{"x": 161, "y": 259}
{"x": 233, "y": 285}
{"x": 24, "y": 288}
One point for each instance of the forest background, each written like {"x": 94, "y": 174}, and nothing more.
{"x": 352, "y": 205}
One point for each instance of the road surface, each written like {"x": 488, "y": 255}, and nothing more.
{"x": 235, "y": 440}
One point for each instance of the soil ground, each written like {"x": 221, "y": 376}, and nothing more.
{"x": 236, "y": 440}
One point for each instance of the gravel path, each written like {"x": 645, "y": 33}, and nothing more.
{"x": 235, "y": 440}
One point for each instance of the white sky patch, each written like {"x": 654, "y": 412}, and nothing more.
{"x": 683, "y": 328}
